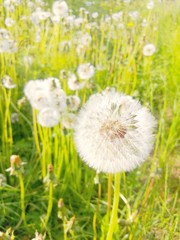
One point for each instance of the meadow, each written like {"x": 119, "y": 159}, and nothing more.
{"x": 57, "y": 53}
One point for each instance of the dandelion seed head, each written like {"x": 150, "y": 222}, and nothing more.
{"x": 73, "y": 83}
{"x": 114, "y": 133}
{"x": 73, "y": 102}
{"x": 48, "y": 117}
{"x": 149, "y": 49}
{"x": 8, "y": 82}
{"x": 85, "y": 71}
{"x": 60, "y": 8}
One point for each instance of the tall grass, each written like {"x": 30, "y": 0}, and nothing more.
{"x": 148, "y": 204}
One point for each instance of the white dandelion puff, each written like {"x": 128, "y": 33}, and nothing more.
{"x": 85, "y": 71}
{"x": 73, "y": 83}
{"x": 149, "y": 49}
{"x": 8, "y": 82}
{"x": 60, "y": 8}
{"x": 48, "y": 117}
{"x": 114, "y": 133}
{"x": 73, "y": 102}
{"x": 68, "y": 120}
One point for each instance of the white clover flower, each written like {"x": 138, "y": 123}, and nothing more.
{"x": 85, "y": 71}
{"x": 48, "y": 117}
{"x": 68, "y": 120}
{"x": 7, "y": 82}
{"x": 114, "y": 133}
{"x": 73, "y": 83}
{"x": 149, "y": 49}
{"x": 60, "y": 8}
{"x": 73, "y": 102}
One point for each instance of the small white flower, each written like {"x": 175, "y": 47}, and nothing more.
{"x": 7, "y": 82}
{"x": 149, "y": 49}
{"x": 48, "y": 117}
{"x": 85, "y": 71}
{"x": 114, "y": 133}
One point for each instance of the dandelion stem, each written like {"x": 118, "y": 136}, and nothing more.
{"x": 113, "y": 220}
{"x": 109, "y": 194}
{"x": 96, "y": 213}
{"x": 21, "y": 182}
{"x": 50, "y": 202}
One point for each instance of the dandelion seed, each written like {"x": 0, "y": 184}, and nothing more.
{"x": 149, "y": 49}
{"x": 85, "y": 71}
{"x": 114, "y": 133}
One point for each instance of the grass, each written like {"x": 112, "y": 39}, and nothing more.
{"x": 148, "y": 204}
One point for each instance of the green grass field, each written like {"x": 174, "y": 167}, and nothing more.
{"x": 55, "y": 192}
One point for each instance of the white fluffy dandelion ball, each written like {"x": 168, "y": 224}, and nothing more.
{"x": 114, "y": 133}
{"x": 48, "y": 117}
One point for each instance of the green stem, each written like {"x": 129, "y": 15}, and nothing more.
{"x": 109, "y": 195}
{"x": 21, "y": 182}
{"x": 50, "y": 202}
{"x": 113, "y": 221}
